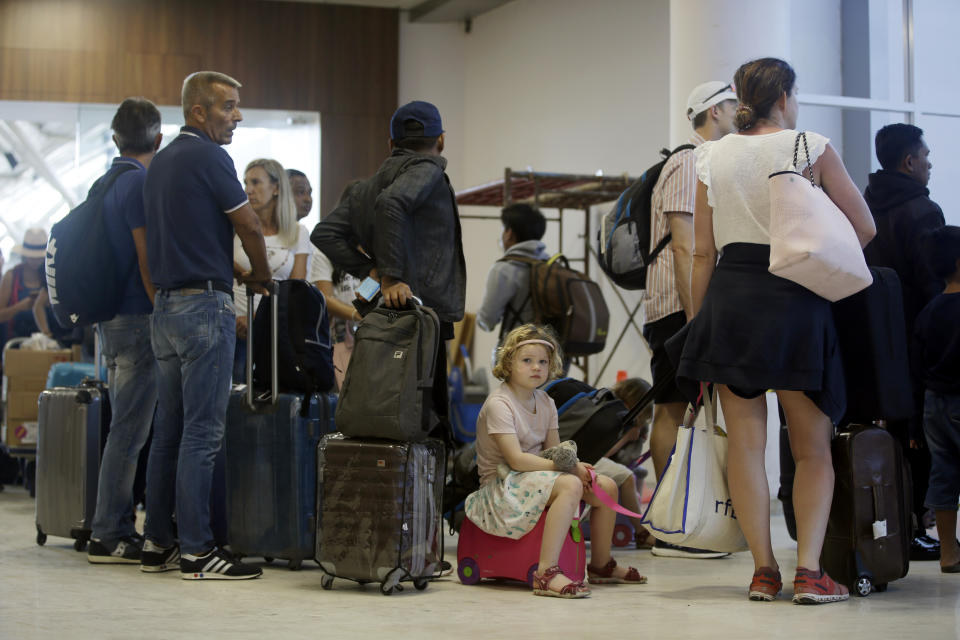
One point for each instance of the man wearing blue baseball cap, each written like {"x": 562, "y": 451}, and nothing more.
{"x": 405, "y": 217}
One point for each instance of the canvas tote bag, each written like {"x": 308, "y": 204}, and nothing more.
{"x": 811, "y": 241}
{"x": 691, "y": 505}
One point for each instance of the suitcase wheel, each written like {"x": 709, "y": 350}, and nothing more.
{"x": 864, "y": 586}
{"x": 622, "y": 535}
{"x": 268, "y": 559}
{"x": 41, "y": 537}
{"x": 880, "y": 588}
{"x": 420, "y": 584}
{"x": 385, "y": 590}
{"x": 79, "y": 544}
{"x": 468, "y": 571}
{"x": 326, "y": 582}
{"x": 294, "y": 565}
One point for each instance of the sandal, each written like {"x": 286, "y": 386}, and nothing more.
{"x": 766, "y": 585}
{"x": 643, "y": 539}
{"x": 541, "y": 585}
{"x": 605, "y": 575}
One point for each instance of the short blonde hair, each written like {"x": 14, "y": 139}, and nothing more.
{"x": 511, "y": 344}
{"x": 285, "y": 213}
{"x": 198, "y": 89}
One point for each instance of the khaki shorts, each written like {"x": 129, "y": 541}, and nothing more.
{"x": 614, "y": 470}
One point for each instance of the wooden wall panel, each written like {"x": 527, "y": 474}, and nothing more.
{"x": 338, "y": 60}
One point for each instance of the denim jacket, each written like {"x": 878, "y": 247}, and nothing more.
{"x": 405, "y": 218}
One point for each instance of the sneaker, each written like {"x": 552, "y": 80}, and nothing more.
{"x": 156, "y": 559}
{"x": 123, "y": 551}
{"x": 766, "y": 585}
{"x": 816, "y": 587}
{"x": 923, "y": 547}
{"x": 216, "y": 565}
{"x": 667, "y": 550}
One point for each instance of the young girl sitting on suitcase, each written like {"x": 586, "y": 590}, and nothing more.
{"x": 517, "y": 422}
{"x": 937, "y": 349}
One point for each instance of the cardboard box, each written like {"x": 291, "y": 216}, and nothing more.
{"x": 26, "y": 384}
{"x": 22, "y": 434}
{"x": 24, "y": 363}
{"x": 23, "y": 405}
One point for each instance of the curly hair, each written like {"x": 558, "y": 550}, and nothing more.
{"x": 508, "y": 349}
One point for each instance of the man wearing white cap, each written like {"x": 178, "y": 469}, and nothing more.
{"x": 667, "y": 303}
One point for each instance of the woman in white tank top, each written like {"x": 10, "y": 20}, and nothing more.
{"x": 754, "y": 331}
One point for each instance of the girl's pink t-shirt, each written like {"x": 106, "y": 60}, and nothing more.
{"x": 503, "y": 413}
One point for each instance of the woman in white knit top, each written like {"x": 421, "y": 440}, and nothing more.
{"x": 754, "y": 331}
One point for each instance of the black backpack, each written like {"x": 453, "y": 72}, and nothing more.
{"x": 84, "y": 281}
{"x": 304, "y": 350}
{"x": 624, "y": 236}
{"x": 593, "y": 418}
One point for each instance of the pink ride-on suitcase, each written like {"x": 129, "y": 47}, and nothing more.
{"x": 481, "y": 555}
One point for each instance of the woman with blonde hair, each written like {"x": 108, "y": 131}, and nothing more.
{"x": 287, "y": 241}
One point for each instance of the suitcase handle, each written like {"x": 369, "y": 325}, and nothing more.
{"x": 274, "y": 288}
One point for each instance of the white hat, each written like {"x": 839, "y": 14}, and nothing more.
{"x": 34, "y": 244}
{"x": 706, "y": 95}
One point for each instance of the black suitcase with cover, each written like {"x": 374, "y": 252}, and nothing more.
{"x": 380, "y": 511}
{"x": 867, "y": 543}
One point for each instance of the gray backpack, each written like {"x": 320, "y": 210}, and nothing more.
{"x": 388, "y": 389}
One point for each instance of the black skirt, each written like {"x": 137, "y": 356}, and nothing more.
{"x": 757, "y": 331}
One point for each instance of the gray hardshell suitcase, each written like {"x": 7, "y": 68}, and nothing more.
{"x": 380, "y": 506}
{"x": 388, "y": 389}
{"x": 73, "y": 426}
{"x": 270, "y": 444}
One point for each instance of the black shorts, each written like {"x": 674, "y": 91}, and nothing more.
{"x": 656, "y": 334}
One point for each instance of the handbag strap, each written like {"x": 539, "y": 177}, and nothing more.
{"x": 806, "y": 150}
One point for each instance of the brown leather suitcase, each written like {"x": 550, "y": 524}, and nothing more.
{"x": 867, "y": 544}
{"x": 380, "y": 505}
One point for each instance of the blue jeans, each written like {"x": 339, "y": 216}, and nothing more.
{"x": 193, "y": 340}
{"x": 132, "y": 379}
{"x": 941, "y": 426}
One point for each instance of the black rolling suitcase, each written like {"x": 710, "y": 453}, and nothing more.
{"x": 379, "y": 505}
{"x": 867, "y": 543}
{"x": 73, "y": 426}
{"x": 270, "y": 443}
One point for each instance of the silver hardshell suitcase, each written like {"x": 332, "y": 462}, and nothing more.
{"x": 73, "y": 425}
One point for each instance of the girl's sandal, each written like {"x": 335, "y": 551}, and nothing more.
{"x": 605, "y": 575}
{"x": 541, "y": 585}
{"x": 643, "y": 539}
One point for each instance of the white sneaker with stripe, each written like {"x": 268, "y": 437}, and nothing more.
{"x": 216, "y": 565}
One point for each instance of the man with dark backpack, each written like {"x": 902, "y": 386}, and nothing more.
{"x": 666, "y": 301}
{"x": 507, "y": 299}
{"x": 125, "y": 338}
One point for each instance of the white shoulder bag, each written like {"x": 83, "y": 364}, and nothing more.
{"x": 691, "y": 505}
{"x": 811, "y": 241}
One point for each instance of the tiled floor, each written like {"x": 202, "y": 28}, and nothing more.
{"x": 52, "y": 592}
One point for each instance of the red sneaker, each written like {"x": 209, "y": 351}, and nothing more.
{"x": 766, "y": 585}
{"x": 816, "y": 587}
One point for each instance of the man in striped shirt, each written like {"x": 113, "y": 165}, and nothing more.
{"x": 667, "y": 303}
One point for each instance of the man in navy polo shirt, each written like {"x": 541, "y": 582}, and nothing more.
{"x": 194, "y": 203}
{"x": 125, "y": 339}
